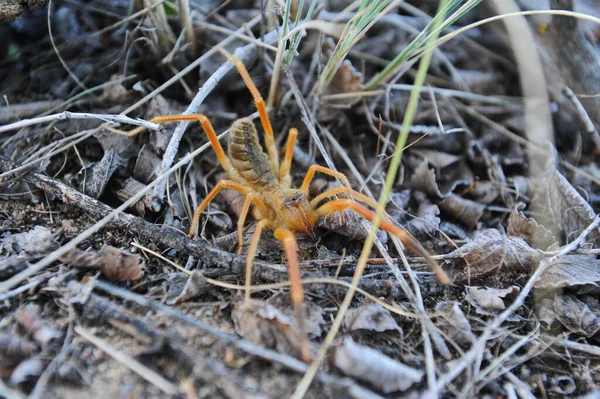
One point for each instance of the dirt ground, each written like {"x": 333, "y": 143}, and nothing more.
{"x": 104, "y": 295}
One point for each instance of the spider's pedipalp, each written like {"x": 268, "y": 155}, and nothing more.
{"x": 310, "y": 174}
{"x": 343, "y": 190}
{"x": 284, "y": 169}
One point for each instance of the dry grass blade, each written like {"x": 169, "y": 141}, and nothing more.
{"x": 306, "y": 380}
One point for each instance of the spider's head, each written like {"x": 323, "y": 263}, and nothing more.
{"x": 296, "y": 213}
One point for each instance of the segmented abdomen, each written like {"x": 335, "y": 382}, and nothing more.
{"x": 247, "y": 155}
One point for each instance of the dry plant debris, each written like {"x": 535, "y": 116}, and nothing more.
{"x": 96, "y": 302}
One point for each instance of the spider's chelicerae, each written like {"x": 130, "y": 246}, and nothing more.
{"x": 267, "y": 184}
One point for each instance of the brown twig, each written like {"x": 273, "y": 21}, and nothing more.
{"x": 216, "y": 262}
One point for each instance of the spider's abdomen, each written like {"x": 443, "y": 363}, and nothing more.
{"x": 247, "y": 155}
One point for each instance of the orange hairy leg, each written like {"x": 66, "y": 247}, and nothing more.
{"x": 208, "y": 129}
{"x": 288, "y": 240}
{"x": 250, "y": 257}
{"x": 343, "y": 190}
{"x": 310, "y": 174}
{"x": 284, "y": 170}
{"x": 213, "y": 193}
{"x": 403, "y": 235}
{"x": 262, "y": 110}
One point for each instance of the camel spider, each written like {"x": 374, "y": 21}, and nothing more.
{"x": 267, "y": 184}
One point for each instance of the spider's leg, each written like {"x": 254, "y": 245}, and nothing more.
{"x": 262, "y": 110}
{"x": 402, "y": 234}
{"x": 288, "y": 240}
{"x": 250, "y": 257}
{"x": 310, "y": 174}
{"x": 208, "y": 129}
{"x": 345, "y": 190}
{"x": 251, "y": 198}
{"x": 212, "y": 194}
{"x": 284, "y": 169}
{"x": 212, "y": 137}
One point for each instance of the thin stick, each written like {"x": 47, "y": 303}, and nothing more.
{"x": 583, "y": 115}
{"x": 146, "y": 373}
{"x": 79, "y": 115}
{"x": 460, "y": 94}
{"x": 21, "y": 289}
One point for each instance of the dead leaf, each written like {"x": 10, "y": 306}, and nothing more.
{"x": 349, "y": 224}
{"x": 114, "y": 263}
{"x": 125, "y": 147}
{"x": 463, "y": 210}
{"x": 195, "y": 286}
{"x": 571, "y": 270}
{"x": 440, "y": 182}
{"x": 94, "y": 178}
{"x": 115, "y": 92}
{"x": 485, "y": 192}
{"x": 437, "y": 159}
{"x": 119, "y": 265}
{"x": 371, "y": 317}
{"x": 453, "y": 322}
{"x": 373, "y": 367}
{"x": 147, "y": 165}
{"x": 545, "y": 313}
{"x": 570, "y": 212}
{"x": 576, "y": 316}
{"x": 423, "y": 179}
{"x": 11, "y": 265}
{"x": 536, "y": 235}
{"x": 457, "y": 142}
{"x": 264, "y": 324}
{"x": 41, "y": 331}
{"x": 129, "y": 189}
{"x": 492, "y": 298}
{"x": 27, "y": 370}
{"x": 345, "y": 80}
{"x": 426, "y": 221}
{"x": 159, "y": 139}
{"x": 34, "y": 243}
{"x": 488, "y": 253}
{"x": 15, "y": 348}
